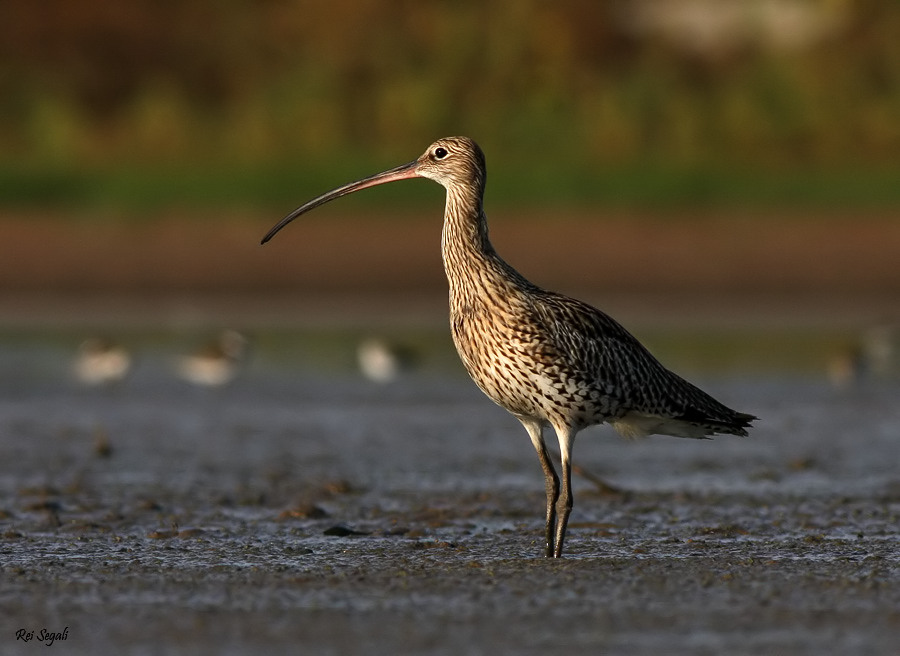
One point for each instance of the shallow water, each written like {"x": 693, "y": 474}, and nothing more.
{"x": 305, "y": 508}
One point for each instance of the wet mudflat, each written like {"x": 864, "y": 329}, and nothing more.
{"x": 307, "y": 511}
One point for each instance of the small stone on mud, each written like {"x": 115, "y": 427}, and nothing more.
{"x": 304, "y": 511}
{"x": 190, "y": 533}
{"x": 337, "y": 487}
{"x": 162, "y": 535}
{"x": 102, "y": 447}
{"x": 341, "y": 531}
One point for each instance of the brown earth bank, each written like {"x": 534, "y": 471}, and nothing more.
{"x": 731, "y": 252}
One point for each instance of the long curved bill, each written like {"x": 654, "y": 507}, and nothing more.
{"x": 404, "y": 172}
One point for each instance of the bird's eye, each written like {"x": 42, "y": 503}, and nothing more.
{"x": 440, "y": 152}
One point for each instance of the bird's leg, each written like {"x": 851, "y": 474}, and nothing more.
{"x": 551, "y": 485}
{"x": 551, "y": 480}
{"x": 565, "y": 501}
{"x": 563, "y": 509}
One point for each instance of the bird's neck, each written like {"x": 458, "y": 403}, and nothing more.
{"x": 472, "y": 265}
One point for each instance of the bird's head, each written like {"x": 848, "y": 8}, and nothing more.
{"x": 453, "y": 161}
{"x": 456, "y": 163}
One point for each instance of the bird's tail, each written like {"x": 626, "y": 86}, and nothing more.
{"x": 697, "y": 426}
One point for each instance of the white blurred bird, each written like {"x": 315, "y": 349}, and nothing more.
{"x": 215, "y": 364}
{"x": 381, "y": 361}
{"x": 101, "y": 361}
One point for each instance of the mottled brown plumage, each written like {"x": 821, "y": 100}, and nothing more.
{"x": 546, "y": 358}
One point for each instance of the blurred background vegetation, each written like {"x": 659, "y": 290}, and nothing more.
{"x": 145, "y": 103}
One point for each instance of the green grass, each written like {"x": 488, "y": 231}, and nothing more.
{"x": 135, "y": 189}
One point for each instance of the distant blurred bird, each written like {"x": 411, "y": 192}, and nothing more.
{"x": 382, "y": 361}
{"x": 880, "y": 345}
{"x": 874, "y": 354}
{"x": 101, "y": 361}
{"x": 215, "y": 364}
{"x": 847, "y": 367}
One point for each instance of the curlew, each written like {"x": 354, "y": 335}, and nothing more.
{"x": 546, "y": 358}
